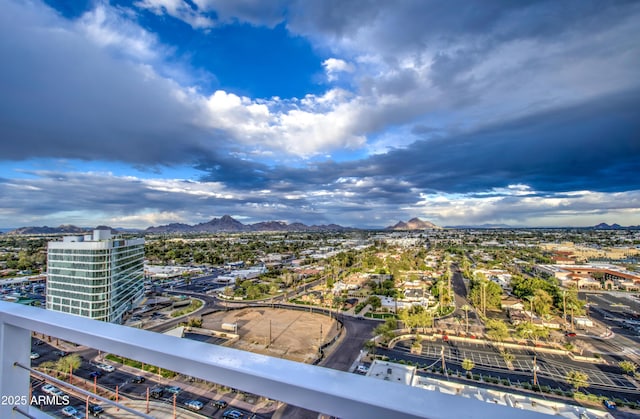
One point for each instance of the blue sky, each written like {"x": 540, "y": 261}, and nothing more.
{"x": 360, "y": 113}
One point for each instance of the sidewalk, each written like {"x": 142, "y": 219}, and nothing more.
{"x": 156, "y": 409}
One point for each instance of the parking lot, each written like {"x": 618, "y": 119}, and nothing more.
{"x": 551, "y": 367}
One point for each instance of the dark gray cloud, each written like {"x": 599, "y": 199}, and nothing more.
{"x": 416, "y": 24}
{"x": 592, "y": 146}
{"x": 63, "y": 97}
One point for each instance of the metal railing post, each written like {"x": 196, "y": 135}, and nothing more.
{"x": 15, "y": 346}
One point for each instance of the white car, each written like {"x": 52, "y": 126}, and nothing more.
{"x": 106, "y": 367}
{"x": 34, "y": 355}
{"x": 363, "y": 369}
{"x": 48, "y": 388}
{"x": 194, "y": 404}
{"x": 69, "y": 411}
{"x": 57, "y": 392}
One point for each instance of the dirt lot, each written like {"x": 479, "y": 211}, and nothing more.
{"x": 295, "y": 335}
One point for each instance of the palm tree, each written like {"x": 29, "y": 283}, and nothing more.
{"x": 466, "y": 309}
{"x": 69, "y": 363}
{"x": 530, "y": 298}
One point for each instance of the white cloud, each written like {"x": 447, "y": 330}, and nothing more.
{"x": 333, "y": 66}
{"x": 321, "y": 124}
{"x": 111, "y": 28}
{"x": 524, "y": 208}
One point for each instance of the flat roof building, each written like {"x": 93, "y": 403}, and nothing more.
{"x": 97, "y": 275}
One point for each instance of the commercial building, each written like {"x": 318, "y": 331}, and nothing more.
{"x": 97, "y": 275}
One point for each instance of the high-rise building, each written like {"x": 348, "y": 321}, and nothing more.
{"x": 97, "y": 275}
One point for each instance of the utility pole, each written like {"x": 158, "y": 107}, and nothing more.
{"x": 444, "y": 367}
{"x": 564, "y": 307}
{"x": 535, "y": 369}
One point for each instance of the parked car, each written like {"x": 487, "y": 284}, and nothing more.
{"x": 38, "y": 343}
{"x": 156, "y": 392}
{"x": 232, "y": 414}
{"x": 69, "y": 410}
{"x": 34, "y": 355}
{"x": 61, "y": 353}
{"x": 194, "y": 404}
{"x": 95, "y": 410}
{"x": 570, "y": 334}
{"x": 57, "y": 392}
{"x": 138, "y": 379}
{"x": 48, "y": 388}
{"x": 173, "y": 389}
{"x": 362, "y": 369}
{"x": 106, "y": 367}
{"x": 609, "y": 404}
{"x": 220, "y": 404}
{"x": 96, "y": 374}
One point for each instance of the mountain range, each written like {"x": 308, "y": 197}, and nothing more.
{"x": 225, "y": 224}
{"x": 228, "y": 224}
{"x": 414, "y": 224}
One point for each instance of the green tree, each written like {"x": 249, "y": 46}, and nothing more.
{"x": 483, "y": 291}
{"x": 386, "y": 330}
{"x": 508, "y": 356}
{"x": 577, "y": 379}
{"x": 375, "y": 302}
{"x": 370, "y": 346}
{"x": 468, "y": 365}
{"x": 497, "y": 330}
{"x": 69, "y": 362}
{"x": 628, "y": 367}
{"x": 542, "y": 302}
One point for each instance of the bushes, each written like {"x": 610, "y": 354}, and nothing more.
{"x": 359, "y": 307}
{"x": 141, "y": 366}
{"x": 195, "y": 304}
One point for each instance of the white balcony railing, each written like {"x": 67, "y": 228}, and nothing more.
{"x": 324, "y": 390}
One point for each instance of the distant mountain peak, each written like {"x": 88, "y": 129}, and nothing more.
{"x": 414, "y": 224}
{"x": 63, "y": 229}
{"x": 605, "y": 226}
{"x": 228, "y": 224}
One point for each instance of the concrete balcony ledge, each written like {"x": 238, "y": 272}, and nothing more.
{"x": 331, "y": 392}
